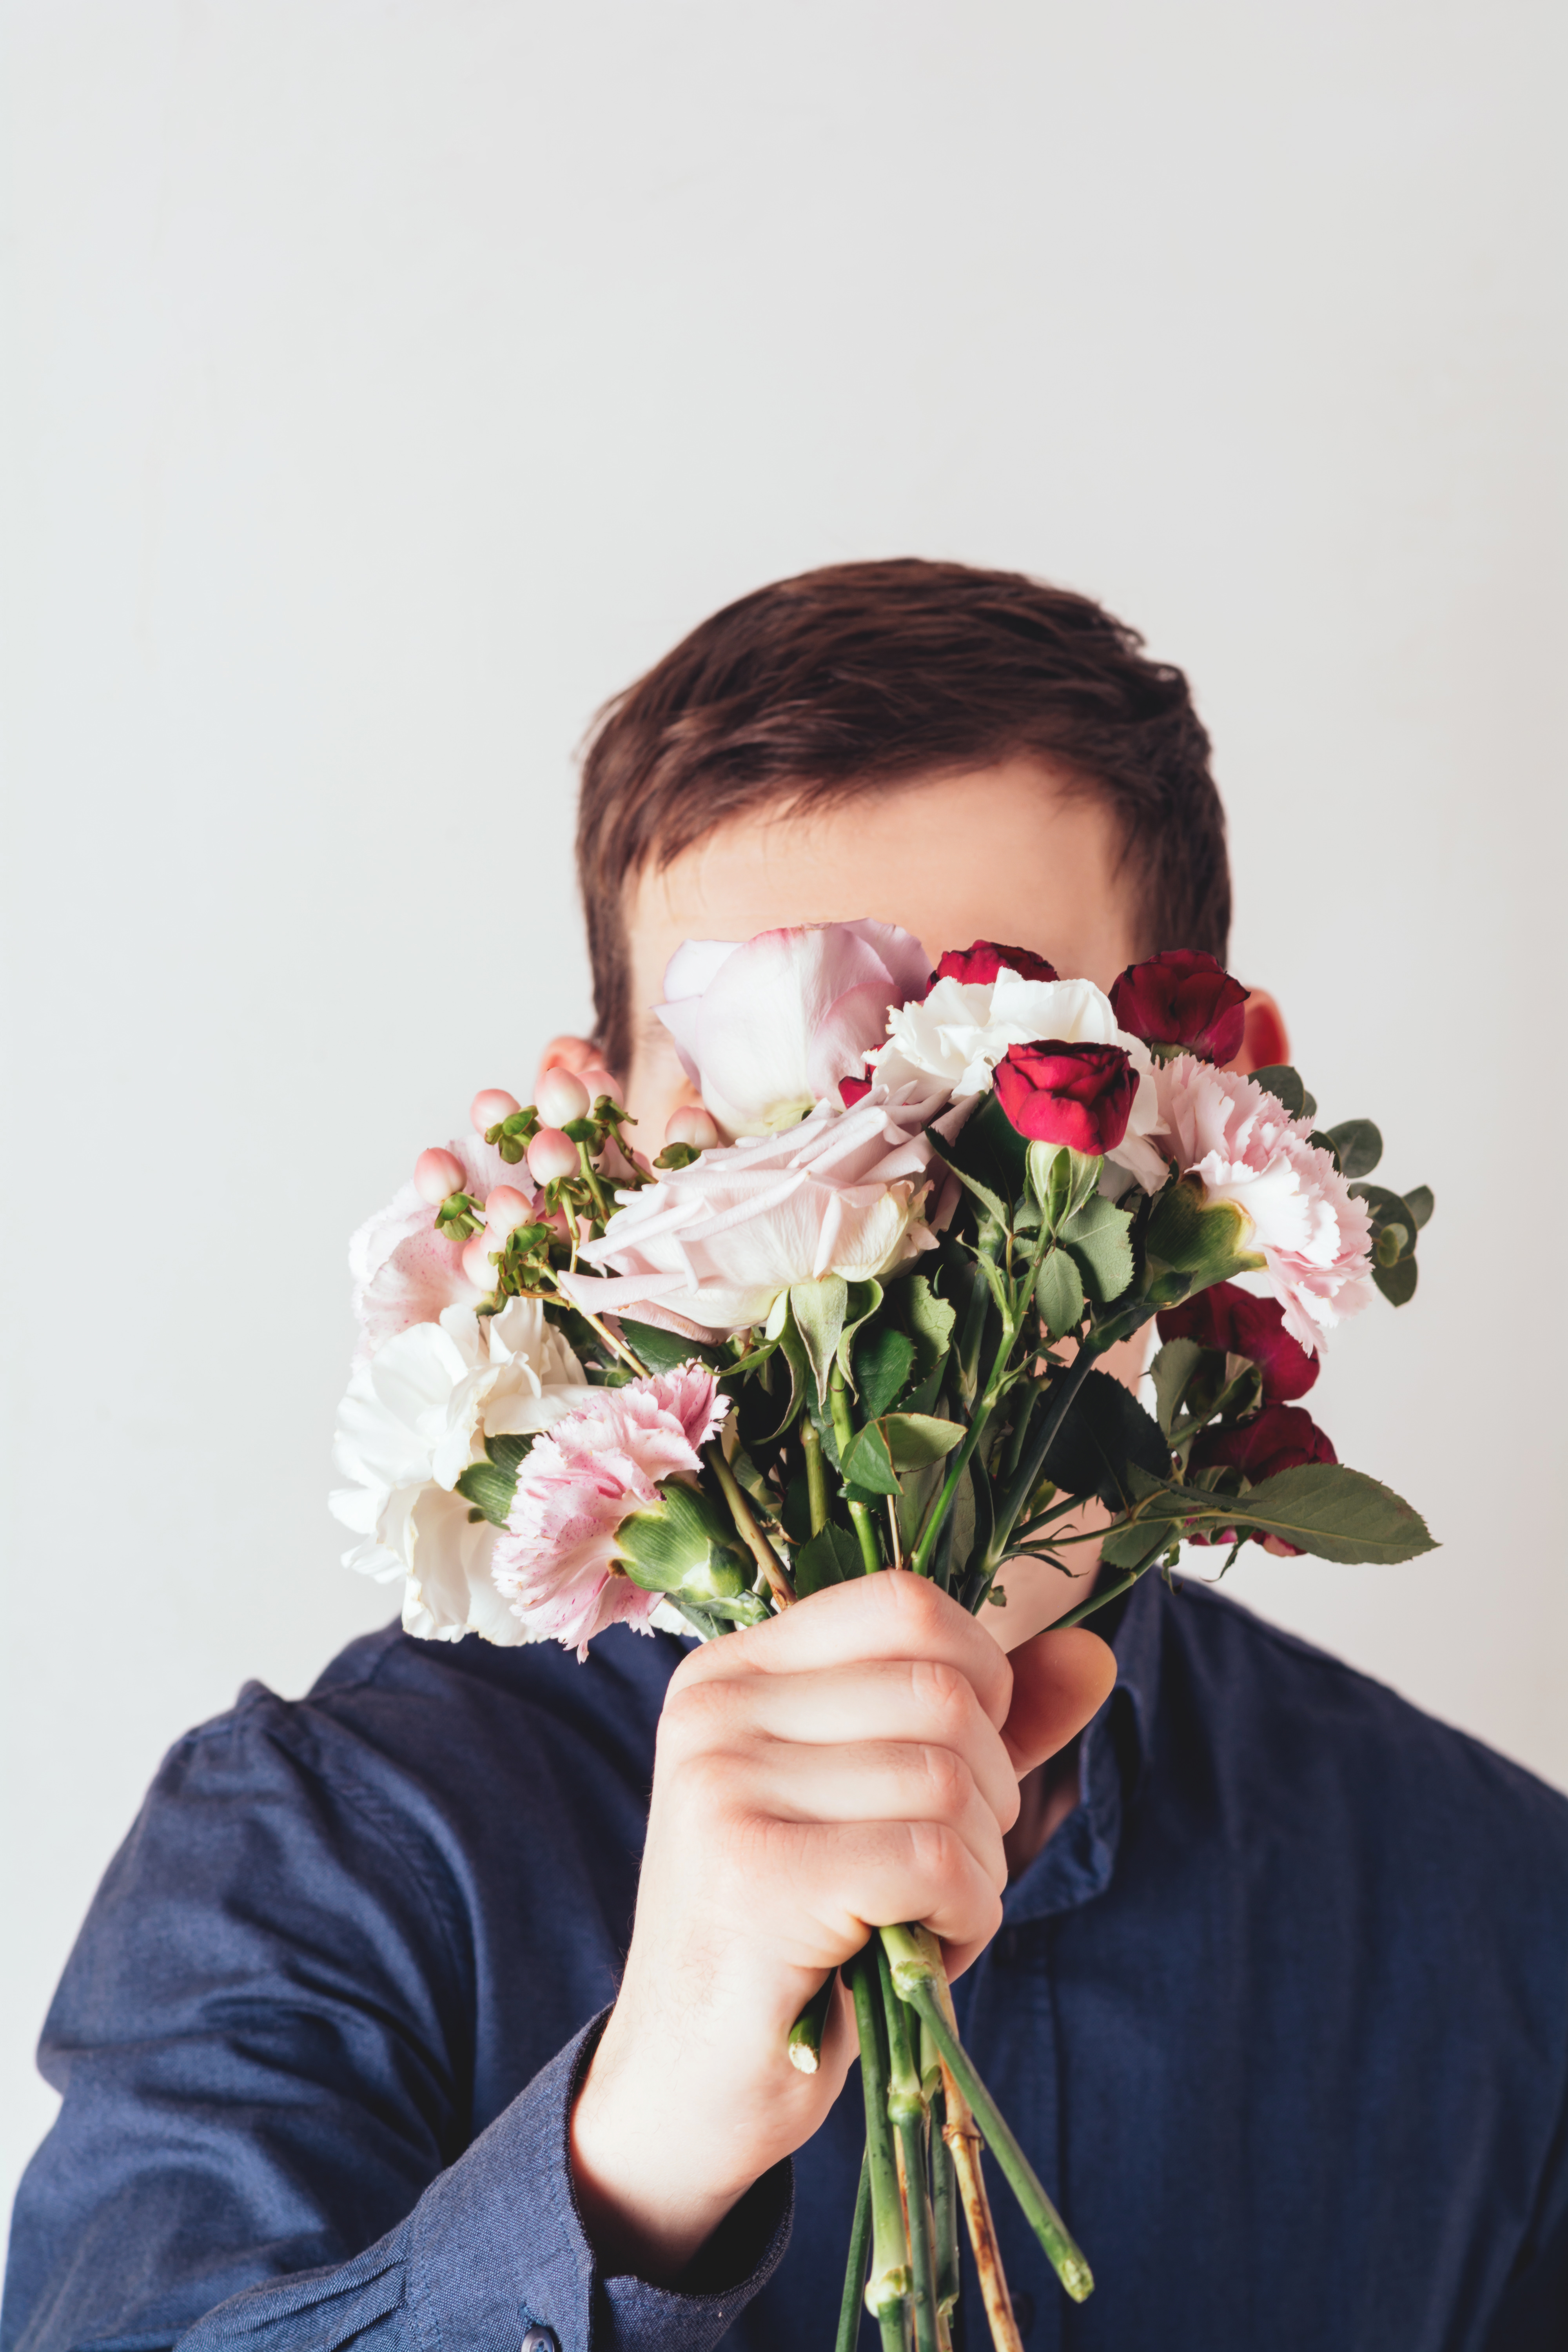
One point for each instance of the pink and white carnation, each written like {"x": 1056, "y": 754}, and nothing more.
{"x": 767, "y": 1028}
{"x": 711, "y": 1246}
{"x": 1314, "y": 1238}
{"x": 955, "y": 1037}
{"x": 405, "y": 1272}
{"x": 556, "y": 1562}
{"x": 415, "y": 1416}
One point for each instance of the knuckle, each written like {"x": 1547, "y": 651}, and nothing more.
{"x": 917, "y": 1604}
{"x": 948, "y": 1779}
{"x": 940, "y": 1692}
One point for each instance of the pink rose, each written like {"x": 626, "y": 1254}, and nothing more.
{"x": 1245, "y": 1145}
{"x": 768, "y": 1029}
{"x": 714, "y": 1244}
{"x": 403, "y": 1270}
{"x": 556, "y": 1561}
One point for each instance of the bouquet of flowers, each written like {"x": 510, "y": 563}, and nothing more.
{"x": 850, "y": 1317}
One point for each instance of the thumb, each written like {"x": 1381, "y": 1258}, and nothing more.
{"x": 1060, "y": 1682}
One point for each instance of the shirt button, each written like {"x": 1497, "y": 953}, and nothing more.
{"x": 540, "y": 2339}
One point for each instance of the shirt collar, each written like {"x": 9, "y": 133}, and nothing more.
{"x": 1077, "y": 1862}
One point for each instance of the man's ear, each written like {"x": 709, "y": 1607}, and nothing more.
{"x": 575, "y": 1054}
{"x": 1264, "y": 1041}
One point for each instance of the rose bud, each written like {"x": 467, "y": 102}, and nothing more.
{"x": 489, "y": 1108}
{"x": 691, "y": 1125}
{"x": 505, "y": 1209}
{"x": 551, "y": 1155}
{"x": 853, "y": 1090}
{"x": 477, "y": 1263}
{"x": 1185, "y": 1001}
{"x": 1280, "y": 1437}
{"x": 1078, "y": 1095}
{"x": 986, "y": 959}
{"x": 1231, "y": 1320}
{"x": 436, "y": 1175}
{"x": 599, "y": 1081}
{"x": 560, "y": 1096}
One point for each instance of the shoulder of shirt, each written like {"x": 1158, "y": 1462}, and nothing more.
{"x": 1216, "y": 1622}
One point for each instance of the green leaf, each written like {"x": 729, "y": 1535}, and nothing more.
{"x": 490, "y": 1490}
{"x": 832, "y": 1556}
{"x": 929, "y": 1320}
{"x": 1277, "y": 1078}
{"x": 1359, "y": 1145}
{"x": 1172, "y": 1372}
{"x": 1390, "y": 1213}
{"x": 1397, "y": 1282}
{"x": 1134, "y": 1546}
{"x": 1059, "y": 1294}
{"x": 1322, "y": 1507}
{"x": 915, "y": 1440}
{"x": 661, "y": 1350}
{"x": 509, "y": 1451}
{"x": 863, "y": 1300}
{"x": 1097, "y": 1235}
{"x": 1106, "y": 1433}
{"x": 818, "y": 1309}
{"x": 990, "y": 1149}
{"x": 1420, "y": 1205}
{"x": 867, "y": 1463}
{"x": 884, "y": 1359}
{"x": 983, "y": 1193}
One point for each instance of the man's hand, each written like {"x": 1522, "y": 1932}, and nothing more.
{"x": 852, "y": 1763}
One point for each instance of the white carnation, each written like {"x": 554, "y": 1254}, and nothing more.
{"x": 415, "y": 1416}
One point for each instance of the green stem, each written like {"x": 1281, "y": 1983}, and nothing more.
{"x": 920, "y": 1559}
{"x": 945, "y": 2209}
{"x": 590, "y": 1176}
{"x": 860, "y": 1518}
{"x": 851, "y": 2307}
{"x": 815, "y": 1475}
{"x": 914, "y": 1970}
{"x": 1098, "y": 1599}
{"x": 888, "y": 2288}
{"x": 1022, "y": 1485}
{"x": 805, "y": 2034}
{"x": 746, "y": 1527}
{"x": 907, "y": 2110}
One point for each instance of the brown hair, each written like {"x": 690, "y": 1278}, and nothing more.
{"x": 863, "y": 676}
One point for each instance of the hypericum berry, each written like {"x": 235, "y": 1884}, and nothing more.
{"x": 599, "y": 1081}
{"x": 691, "y": 1124}
{"x": 477, "y": 1263}
{"x": 561, "y": 1096}
{"x": 490, "y": 1107}
{"x": 551, "y": 1155}
{"x": 505, "y": 1209}
{"x": 437, "y": 1174}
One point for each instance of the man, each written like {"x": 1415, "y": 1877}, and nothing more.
{"x": 1278, "y": 2004}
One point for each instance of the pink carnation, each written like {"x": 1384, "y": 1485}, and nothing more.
{"x": 403, "y": 1270}
{"x": 555, "y": 1561}
{"x": 1313, "y": 1237}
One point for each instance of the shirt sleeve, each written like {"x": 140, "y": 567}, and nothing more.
{"x": 261, "y": 2040}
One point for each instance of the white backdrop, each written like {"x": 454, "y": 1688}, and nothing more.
{"x": 393, "y": 379}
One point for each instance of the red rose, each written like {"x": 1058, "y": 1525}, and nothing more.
{"x": 1230, "y": 1318}
{"x": 1078, "y": 1095}
{"x": 853, "y": 1090}
{"x": 1183, "y": 1000}
{"x": 1280, "y": 1437}
{"x": 986, "y": 959}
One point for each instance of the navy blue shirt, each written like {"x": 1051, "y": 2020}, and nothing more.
{"x": 1280, "y": 2014}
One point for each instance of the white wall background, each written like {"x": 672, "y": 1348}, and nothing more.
{"x": 391, "y": 380}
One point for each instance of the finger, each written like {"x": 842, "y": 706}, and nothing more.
{"x": 1060, "y": 1682}
{"x": 890, "y": 1615}
{"x": 876, "y": 1873}
{"x": 919, "y": 1700}
{"x": 875, "y": 1780}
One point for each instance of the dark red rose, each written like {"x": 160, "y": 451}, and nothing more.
{"x": 853, "y": 1090}
{"x": 1182, "y": 999}
{"x": 986, "y": 959}
{"x": 1230, "y": 1318}
{"x": 1078, "y": 1095}
{"x": 1280, "y": 1437}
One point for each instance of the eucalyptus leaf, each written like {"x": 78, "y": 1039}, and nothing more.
{"x": 1277, "y": 1078}
{"x": 1397, "y": 1282}
{"x": 1359, "y": 1145}
{"x": 1097, "y": 1235}
{"x": 831, "y": 1556}
{"x": 1420, "y": 1203}
{"x": 1059, "y": 1294}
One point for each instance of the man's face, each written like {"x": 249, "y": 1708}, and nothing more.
{"x": 1001, "y": 853}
